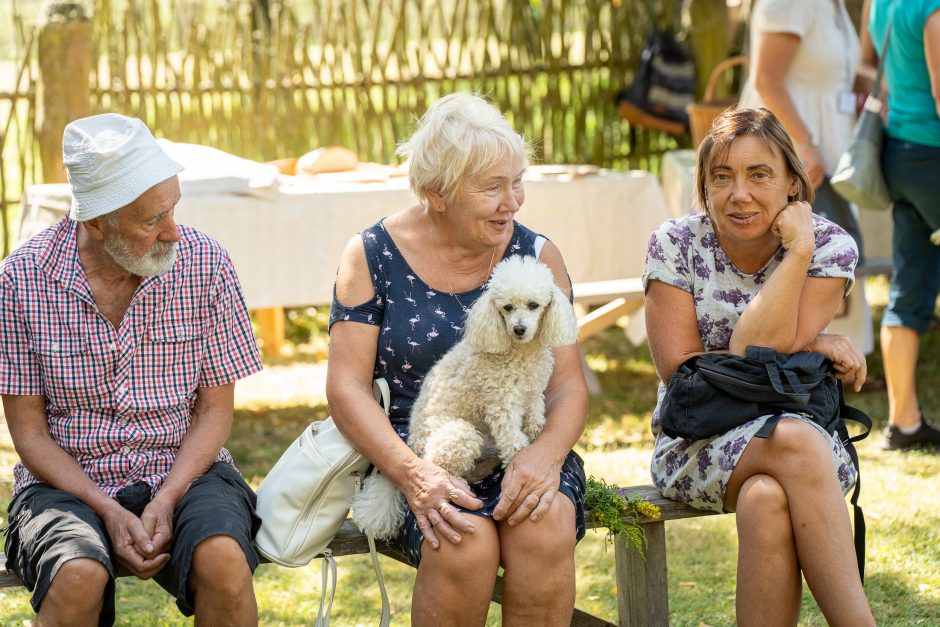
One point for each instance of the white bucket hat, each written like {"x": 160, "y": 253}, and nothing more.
{"x": 111, "y": 159}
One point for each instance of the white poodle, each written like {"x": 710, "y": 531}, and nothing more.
{"x": 482, "y": 402}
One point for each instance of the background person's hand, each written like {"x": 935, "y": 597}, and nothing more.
{"x": 127, "y": 533}
{"x": 848, "y": 361}
{"x": 529, "y": 485}
{"x": 813, "y": 164}
{"x": 794, "y": 227}
{"x": 433, "y": 495}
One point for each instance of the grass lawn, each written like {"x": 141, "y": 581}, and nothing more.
{"x": 900, "y": 496}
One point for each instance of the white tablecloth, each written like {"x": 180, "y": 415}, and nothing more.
{"x": 286, "y": 240}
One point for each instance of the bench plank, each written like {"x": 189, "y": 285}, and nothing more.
{"x": 642, "y": 584}
{"x": 600, "y": 292}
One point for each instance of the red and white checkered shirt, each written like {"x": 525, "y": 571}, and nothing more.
{"x": 119, "y": 400}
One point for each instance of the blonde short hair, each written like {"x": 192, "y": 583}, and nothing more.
{"x": 734, "y": 123}
{"x": 459, "y": 136}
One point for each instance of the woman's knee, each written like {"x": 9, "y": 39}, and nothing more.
{"x": 475, "y": 553}
{"x": 550, "y": 540}
{"x": 763, "y": 512}
{"x": 799, "y": 447}
{"x": 762, "y": 495}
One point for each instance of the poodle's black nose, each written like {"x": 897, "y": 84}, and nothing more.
{"x": 519, "y": 330}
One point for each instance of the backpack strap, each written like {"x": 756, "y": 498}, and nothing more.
{"x": 855, "y": 415}
{"x": 768, "y": 357}
{"x": 382, "y": 395}
{"x": 328, "y": 569}
{"x": 385, "y": 621}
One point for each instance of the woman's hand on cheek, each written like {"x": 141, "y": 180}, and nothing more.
{"x": 794, "y": 227}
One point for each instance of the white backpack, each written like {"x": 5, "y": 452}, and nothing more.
{"x": 304, "y": 500}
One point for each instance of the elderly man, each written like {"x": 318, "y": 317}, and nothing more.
{"x": 121, "y": 337}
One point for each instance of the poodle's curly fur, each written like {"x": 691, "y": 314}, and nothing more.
{"x": 483, "y": 401}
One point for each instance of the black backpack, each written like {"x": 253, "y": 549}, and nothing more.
{"x": 664, "y": 83}
{"x": 713, "y": 393}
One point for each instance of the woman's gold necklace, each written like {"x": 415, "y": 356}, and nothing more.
{"x": 450, "y": 284}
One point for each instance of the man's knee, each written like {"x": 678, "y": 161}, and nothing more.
{"x": 219, "y": 564}
{"x": 78, "y": 585}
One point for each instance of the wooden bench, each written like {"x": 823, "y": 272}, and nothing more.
{"x": 642, "y": 588}
{"x": 620, "y": 297}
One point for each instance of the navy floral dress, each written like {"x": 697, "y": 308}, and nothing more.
{"x": 418, "y": 325}
{"x": 685, "y": 253}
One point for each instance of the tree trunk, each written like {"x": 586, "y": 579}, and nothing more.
{"x": 64, "y": 90}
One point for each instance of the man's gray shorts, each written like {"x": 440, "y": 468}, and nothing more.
{"x": 49, "y": 527}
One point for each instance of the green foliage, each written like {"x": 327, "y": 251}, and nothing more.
{"x": 615, "y": 509}
{"x": 306, "y": 323}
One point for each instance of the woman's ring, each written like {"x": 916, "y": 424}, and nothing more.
{"x": 452, "y": 495}
{"x": 443, "y": 507}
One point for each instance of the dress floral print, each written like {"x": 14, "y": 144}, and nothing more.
{"x": 685, "y": 253}
{"x": 417, "y": 325}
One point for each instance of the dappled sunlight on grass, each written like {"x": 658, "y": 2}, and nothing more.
{"x": 900, "y": 497}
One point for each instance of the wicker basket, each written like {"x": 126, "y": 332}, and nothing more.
{"x": 702, "y": 114}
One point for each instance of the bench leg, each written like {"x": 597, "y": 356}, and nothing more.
{"x": 642, "y": 588}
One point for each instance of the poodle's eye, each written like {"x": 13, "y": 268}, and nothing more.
{"x": 533, "y": 305}
{"x": 507, "y": 307}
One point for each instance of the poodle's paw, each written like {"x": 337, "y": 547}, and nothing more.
{"x": 454, "y": 446}
{"x": 379, "y": 508}
{"x": 533, "y": 427}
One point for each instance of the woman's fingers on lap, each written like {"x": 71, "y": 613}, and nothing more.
{"x": 526, "y": 507}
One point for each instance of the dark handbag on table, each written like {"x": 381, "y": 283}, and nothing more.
{"x": 664, "y": 82}
{"x": 713, "y": 393}
{"x": 858, "y": 177}
{"x": 830, "y": 205}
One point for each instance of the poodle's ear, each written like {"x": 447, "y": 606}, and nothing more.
{"x": 485, "y": 330}
{"x": 559, "y": 326}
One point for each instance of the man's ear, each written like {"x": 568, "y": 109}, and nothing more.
{"x": 96, "y": 228}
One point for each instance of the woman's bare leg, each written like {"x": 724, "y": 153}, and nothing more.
{"x": 454, "y": 583}
{"x": 538, "y": 563}
{"x": 769, "y": 583}
{"x": 799, "y": 458}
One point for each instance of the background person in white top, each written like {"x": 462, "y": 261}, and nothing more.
{"x": 804, "y": 56}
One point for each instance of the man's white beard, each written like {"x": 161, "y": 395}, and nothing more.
{"x": 158, "y": 259}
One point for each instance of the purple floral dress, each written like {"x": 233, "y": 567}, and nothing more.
{"x": 685, "y": 253}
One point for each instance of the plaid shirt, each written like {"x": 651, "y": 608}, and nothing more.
{"x": 119, "y": 400}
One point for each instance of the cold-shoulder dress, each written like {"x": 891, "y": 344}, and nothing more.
{"x": 417, "y": 326}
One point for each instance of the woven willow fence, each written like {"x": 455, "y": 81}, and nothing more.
{"x": 356, "y": 72}
{"x": 18, "y": 161}
{"x": 266, "y": 80}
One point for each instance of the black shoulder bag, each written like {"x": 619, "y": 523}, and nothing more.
{"x": 712, "y": 393}
{"x": 664, "y": 82}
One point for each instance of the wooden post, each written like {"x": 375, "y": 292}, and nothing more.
{"x": 64, "y": 89}
{"x": 642, "y": 585}
{"x": 271, "y": 328}
{"x": 710, "y": 40}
